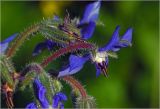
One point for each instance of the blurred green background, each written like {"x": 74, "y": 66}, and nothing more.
{"x": 133, "y": 78}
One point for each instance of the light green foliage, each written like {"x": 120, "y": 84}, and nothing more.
{"x": 133, "y": 78}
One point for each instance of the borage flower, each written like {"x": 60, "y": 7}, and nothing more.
{"x": 4, "y": 44}
{"x": 40, "y": 93}
{"x": 100, "y": 56}
{"x": 87, "y": 25}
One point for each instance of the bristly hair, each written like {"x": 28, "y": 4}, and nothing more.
{"x": 21, "y": 38}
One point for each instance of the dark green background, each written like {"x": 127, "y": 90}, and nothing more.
{"x": 133, "y": 77}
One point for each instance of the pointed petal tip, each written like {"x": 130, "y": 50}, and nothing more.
{"x": 117, "y": 27}
{"x": 91, "y": 12}
{"x": 128, "y": 35}
{"x": 113, "y": 41}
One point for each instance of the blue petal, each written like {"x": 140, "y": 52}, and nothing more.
{"x": 88, "y": 22}
{"x": 67, "y": 71}
{"x": 114, "y": 40}
{"x": 3, "y": 47}
{"x": 76, "y": 64}
{"x": 55, "y": 102}
{"x": 62, "y": 96}
{"x": 115, "y": 44}
{"x": 4, "y": 44}
{"x": 40, "y": 93}
{"x": 43, "y": 45}
{"x": 87, "y": 30}
{"x": 58, "y": 97}
{"x": 50, "y": 44}
{"x": 127, "y": 37}
{"x": 9, "y": 39}
{"x": 76, "y": 61}
{"x": 31, "y": 106}
{"x": 91, "y": 12}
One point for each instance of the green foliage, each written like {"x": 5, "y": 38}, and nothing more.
{"x": 133, "y": 78}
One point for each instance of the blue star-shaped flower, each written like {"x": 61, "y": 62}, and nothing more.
{"x": 4, "y": 44}
{"x": 100, "y": 57}
{"x": 40, "y": 92}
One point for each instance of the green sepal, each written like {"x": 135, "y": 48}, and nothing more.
{"x": 29, "y": 73}
{"x": 74, "y": 96}
{"x": 50, "y": 29}
{"x": 57, "y": 85}
{"x": 28, "y": 80}
{"x": 47, "y": 83}
{"x": 83, "y": 103}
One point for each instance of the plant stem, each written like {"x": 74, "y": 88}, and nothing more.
{"x": 62, "y": 51}
{"x": 75, "y": 84}
{"x": 21, "y": 38}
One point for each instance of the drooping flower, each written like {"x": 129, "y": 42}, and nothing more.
{"x": 4, "y": 44}
{"x": 100, "y": 57}
{"x": 40, "y": 93}
{"x": 87, "y": 25}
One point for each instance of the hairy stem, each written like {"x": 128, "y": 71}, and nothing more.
{"x": 21, "y": 38}
{"x": 34, "y": 67}
{"x": 62, "y": 51}
{"x": 76, "y": 85}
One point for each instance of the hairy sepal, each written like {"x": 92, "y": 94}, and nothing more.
{"x": 83, "y": 103}
{"x": 28, "y": 74}
{"x": 51, "y": 84}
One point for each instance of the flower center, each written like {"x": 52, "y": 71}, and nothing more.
{"x": 100, "y": 57}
